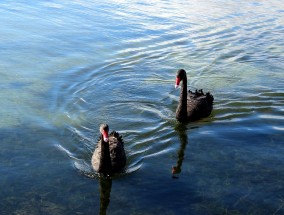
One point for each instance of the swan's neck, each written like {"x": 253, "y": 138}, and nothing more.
{"x": 181, "y": 113}
{"x": 105, "y": 161}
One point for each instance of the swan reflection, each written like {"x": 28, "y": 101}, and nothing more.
{"x": 181, "y": 130}
{"x": 105, "y": 190}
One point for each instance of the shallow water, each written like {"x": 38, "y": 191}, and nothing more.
{"x": 67, "y": 67}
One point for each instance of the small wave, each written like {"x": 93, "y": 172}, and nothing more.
{"x": 278, "y": 128}
{"x": 270, "y": 116}
{"x": 67, "y": 152}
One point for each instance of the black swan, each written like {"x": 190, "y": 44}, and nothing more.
{"x": 109, "y": 156}
{"x": 192, "y": 105}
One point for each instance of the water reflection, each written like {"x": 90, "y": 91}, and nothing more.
{"x": 181, "y": 130}
{"x": 105, "y": 190}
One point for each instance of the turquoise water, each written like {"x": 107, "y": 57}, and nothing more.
{"x": 66, "y": 67}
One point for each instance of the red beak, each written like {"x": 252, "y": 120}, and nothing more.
{"x": 177, "y": 82}
{"x": 105, "y": 136}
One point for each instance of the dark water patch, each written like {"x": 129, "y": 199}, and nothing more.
{"x": 29, "y": 188}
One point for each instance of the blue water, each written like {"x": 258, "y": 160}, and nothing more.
{"x": 66, "y": 67}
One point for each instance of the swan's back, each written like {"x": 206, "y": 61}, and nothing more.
{"x": 116, "y": 152}
{"x": 199, "y": 105}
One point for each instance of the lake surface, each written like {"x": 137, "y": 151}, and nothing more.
{"x": 68, "y": 66}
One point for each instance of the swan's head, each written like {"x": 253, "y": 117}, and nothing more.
{"x": 104, "y": 131}
{"x": 181, "y": 74}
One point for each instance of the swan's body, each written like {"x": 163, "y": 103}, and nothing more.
{"x": 109, "y": 156}
{"x": 192, "y": 105}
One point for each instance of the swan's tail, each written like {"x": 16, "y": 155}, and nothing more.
{"x": 200, "y": 93}
{"x": 209, "y": 98}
